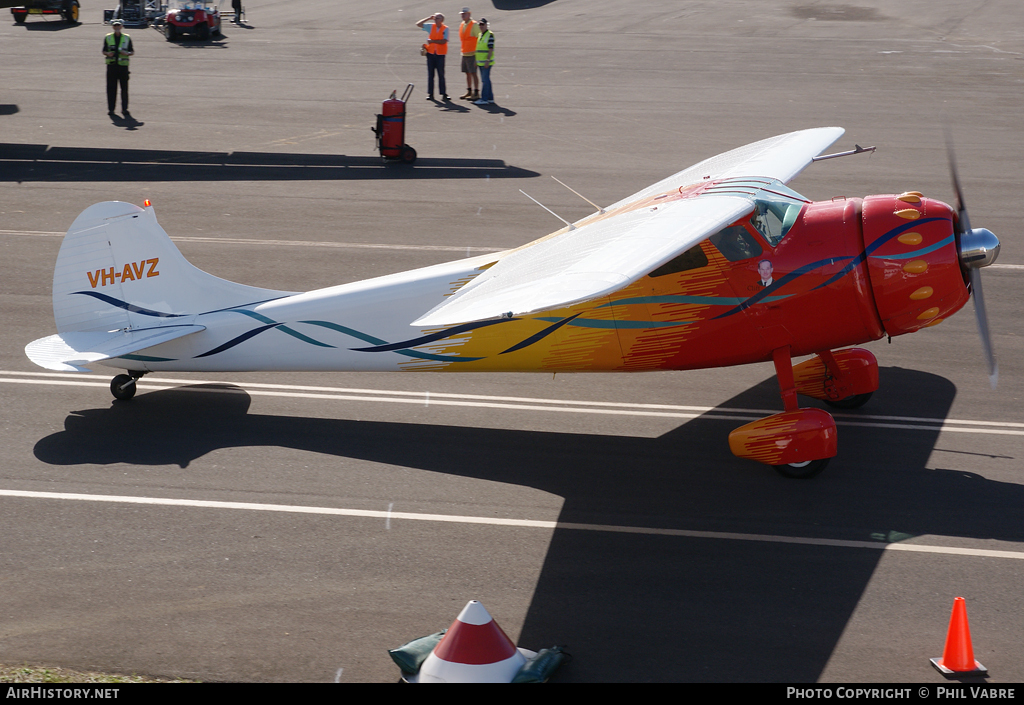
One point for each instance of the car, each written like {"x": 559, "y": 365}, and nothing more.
{"x": 194, "y": 17}
{"x": 68, "y": 9}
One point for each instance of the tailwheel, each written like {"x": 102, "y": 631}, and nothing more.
{"x": 123, "y": 387}
{"x": 804, "y": 470}
{"x": 854, "y": 401}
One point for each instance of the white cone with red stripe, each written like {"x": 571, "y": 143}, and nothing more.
{"x": 474, "y": 650}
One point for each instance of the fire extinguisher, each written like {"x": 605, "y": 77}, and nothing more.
{"x": 390, "y": 129}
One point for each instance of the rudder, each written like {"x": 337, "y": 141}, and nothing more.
{"x": 117, "y": 269}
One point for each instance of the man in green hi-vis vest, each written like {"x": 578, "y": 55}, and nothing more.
{"x": 117, "y": 47}
{"x": 485, "y": 62}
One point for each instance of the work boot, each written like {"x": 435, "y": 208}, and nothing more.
{"x": 467, "y": 94}
{"x": 475, "y": 96}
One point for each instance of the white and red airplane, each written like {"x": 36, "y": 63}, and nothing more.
{"x": 720, "y": 264}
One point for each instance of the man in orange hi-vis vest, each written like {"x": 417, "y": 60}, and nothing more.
{"x": 468, "y": 33}
{"x": 436, "y": 48}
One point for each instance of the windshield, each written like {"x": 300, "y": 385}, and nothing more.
{"x": 776, "y": 206}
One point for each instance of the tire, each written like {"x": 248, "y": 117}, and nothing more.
{"x": 20, "y": 18}
{"x": 169, "y": 31}
{"x": 204, "y": 32}
{"x": 852, "y": 402}
{"x": 802, "y": 471}
{"x": 126, "y": 393}
{"x": 407, "y": 155}
{"x": 70, "y": 13}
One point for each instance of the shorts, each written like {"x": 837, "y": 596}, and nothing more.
{"x": 469, "y": 64}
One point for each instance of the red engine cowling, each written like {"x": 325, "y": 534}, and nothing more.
{"x": 912, "y": 261}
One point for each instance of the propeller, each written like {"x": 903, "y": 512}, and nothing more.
{"x": 978, "y": 248}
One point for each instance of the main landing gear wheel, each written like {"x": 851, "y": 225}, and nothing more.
{"x": 123, "y": 387}
{"x": 804, "y": 470}
{"x": 852, "y": 402}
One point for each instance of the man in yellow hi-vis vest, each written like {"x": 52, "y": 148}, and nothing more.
{"x": 485, "y": 62}
{"x": 117, "y": 47}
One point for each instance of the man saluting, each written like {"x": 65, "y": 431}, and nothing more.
{"x": 117, "y": 47}
{"x": 436, "y": 48}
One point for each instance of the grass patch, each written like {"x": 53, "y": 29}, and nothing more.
{"x": 47, "y": 674}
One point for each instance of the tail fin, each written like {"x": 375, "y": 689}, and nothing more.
{"x": 118, "y": 270}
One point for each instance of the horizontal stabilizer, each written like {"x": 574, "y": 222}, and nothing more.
{"x": 70, "y": 351}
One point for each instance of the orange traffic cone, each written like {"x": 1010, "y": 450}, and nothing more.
{"x": 958, "y": 656}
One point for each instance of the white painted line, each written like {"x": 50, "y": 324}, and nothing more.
{"x": 389, "y": 515}
{"x": 349, "y": 245}
{"x": 420, "y": 396}
{"x": 151, "y": 384}
{"x": 293, "y": 243}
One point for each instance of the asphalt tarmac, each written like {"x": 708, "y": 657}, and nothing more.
{"x": 298, "y": 526}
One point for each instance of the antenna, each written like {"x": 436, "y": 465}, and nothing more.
{"x": 571, "y": 226}
{"x": 599, "y": 208}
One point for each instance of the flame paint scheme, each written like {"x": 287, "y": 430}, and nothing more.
{"x": 718, "y": 265}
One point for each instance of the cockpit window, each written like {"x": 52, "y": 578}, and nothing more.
{"x": 775, "y": 211}
{"x": 776, "y": 206}
{"x": 693, "y": 258}
{"x": 736, "y": 243}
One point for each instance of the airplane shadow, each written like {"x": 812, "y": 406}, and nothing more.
{"x": 630, "y": 606}
{"x": 39, "y": 162}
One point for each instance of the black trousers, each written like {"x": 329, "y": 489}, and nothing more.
{"x": 435, "y": 62}
{"x": 117, "y": 74}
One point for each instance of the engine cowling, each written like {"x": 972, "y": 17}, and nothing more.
{"x": 912, "y": 260}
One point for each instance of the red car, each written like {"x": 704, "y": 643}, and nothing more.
{"x": 193, "y": 17}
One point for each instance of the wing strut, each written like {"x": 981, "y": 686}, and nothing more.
{"x": 600, "y": 210}
{"x": 857, "y": 150}
{"x": 571, "y": 226}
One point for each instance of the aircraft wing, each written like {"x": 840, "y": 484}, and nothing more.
{"x": 69, "y": 351}
{"x": 614, "y": 250}
{"x": 781, "y": 157}
{"x": 565, "y": 270}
